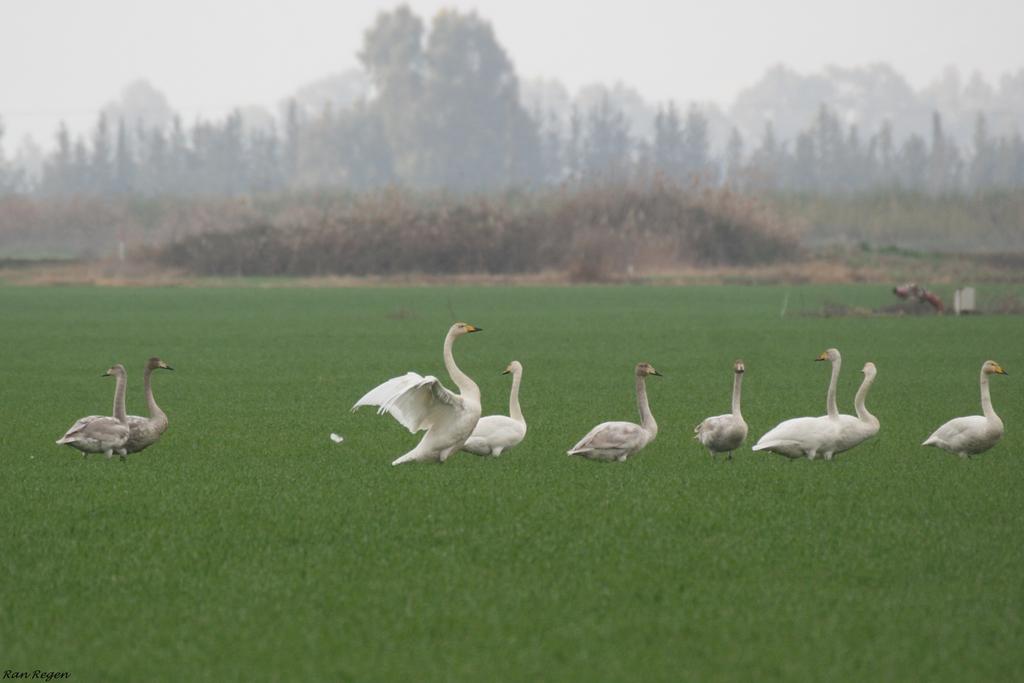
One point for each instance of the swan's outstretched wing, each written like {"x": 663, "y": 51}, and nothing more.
{"x": 416, "y": 402}
{"x": 611, "y": 435}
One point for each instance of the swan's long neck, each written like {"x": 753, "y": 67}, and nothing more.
{"x": 514, "y": 411}
{"x": 646, "y": 419}
{"x": 737, "y": 382}
{"x": 833, "y": 410}
{"x": 467, "y": 387}
{"x": 154, "y": 409}
{"x": 858, "y": 401}
{"x": 120, "y": 414}
{"x": 986, "y": 399}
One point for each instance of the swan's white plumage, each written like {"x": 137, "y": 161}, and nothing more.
{"x": 854, "y": 430}
{"x": 968, "y": 435}
{"x": 799, "y": 437}
{"x": 495, "y": 434}
{"x": 417, "y": 402}
{"x": 423, "y": 403}
{"x": 808, "y": 437}
{"x": 974, "y": 434}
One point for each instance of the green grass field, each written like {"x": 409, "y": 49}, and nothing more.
{"x": 247, "y": 546}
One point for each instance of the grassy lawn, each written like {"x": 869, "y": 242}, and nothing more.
{"x": 247, "y": 546}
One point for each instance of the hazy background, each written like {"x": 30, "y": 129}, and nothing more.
{"x": 141, "y": 124}
{"x": 64, "y": 60}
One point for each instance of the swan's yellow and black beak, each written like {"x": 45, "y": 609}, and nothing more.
{"x": 656, "y": 373}
{"x": 822, "y": 356}
{"x": 106, "y": 374}
{"x": 506, "y": 371}
{"x": 1000, "y": 370}
{"x": 473, "y": 328}
{"x": 165, "y": 366}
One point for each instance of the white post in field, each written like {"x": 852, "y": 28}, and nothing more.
{"x": 967, "y": 300}
{"x": 964, "y": 300}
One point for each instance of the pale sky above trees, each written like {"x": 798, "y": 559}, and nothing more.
{"x": 63, "y": 59}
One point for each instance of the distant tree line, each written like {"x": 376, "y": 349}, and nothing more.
{"x": 445, "y": 113}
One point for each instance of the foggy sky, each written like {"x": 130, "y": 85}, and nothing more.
{"x": 64, "y": 59}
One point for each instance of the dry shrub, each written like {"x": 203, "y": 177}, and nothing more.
{"x": 596, "y": 256}
{"x": 593, "y": 233}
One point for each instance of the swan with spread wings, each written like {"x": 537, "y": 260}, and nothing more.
{"x": 423, "y": 403}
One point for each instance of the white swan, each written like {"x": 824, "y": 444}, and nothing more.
{"x": 855, "y": 430}
{"x": 725, "y": 433}
{"x": 619, "y": 440}
{"x": 495, "y": 434}
{"x": 967, "y": 436}
{"x": 100, "y": 433}
{"x": 145, "y": 431}
{"x": 808, "y": 436}
{"x": 420, "y": 403}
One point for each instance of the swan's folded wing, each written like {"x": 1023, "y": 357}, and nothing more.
{"x": 710, "y": 427}
{"x": 499, "y": 430}
{"x": 103, "y": 429}
{"x": 611, "y": 435}
{"x": 957, "y": 428}
{"x": 416, "y": 402}
{"x": 77, "y": 428}
{"x": 107, "y": 428}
